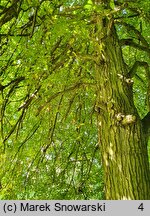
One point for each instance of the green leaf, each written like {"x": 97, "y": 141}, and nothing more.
{"x": 112, "y": 5}
{"x": 89, "y": 5}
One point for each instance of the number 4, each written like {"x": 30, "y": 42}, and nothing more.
{"x": 141, "y": 207}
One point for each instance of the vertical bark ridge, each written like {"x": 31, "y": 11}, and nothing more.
{"x": 123, "y": 147}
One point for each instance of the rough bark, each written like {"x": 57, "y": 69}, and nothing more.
{"x": 121, "y": 135}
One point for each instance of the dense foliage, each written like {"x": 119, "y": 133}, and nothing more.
{"x": 48, "y": 143}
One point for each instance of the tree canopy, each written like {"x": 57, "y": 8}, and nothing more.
{"x": 48, "y": 102}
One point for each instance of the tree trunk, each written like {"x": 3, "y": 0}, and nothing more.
{"x": 121, "y": 137}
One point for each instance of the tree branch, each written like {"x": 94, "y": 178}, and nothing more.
{"x": 29, "y": 100}
{"x": 16, "y": 81}
{"x": 130, "y": 42}
{"x": 71, "y": 88}
{"x": 137, "y": 64}
{"x": 132, "y": 73}
{"x": 18, "y": 35}
{"x": 137, "y": 33}
{"x": 10, "y": 12}
{"x": 146, "y": 125}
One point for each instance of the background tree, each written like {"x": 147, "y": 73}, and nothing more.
{"x": 75, "y": 81}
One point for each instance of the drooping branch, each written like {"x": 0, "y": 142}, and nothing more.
{"x": 130, "y": 27}
{"x": 130, "y": 42}
{"x": 137, "y": 64}
{"x": 12, "y": 129}
{"x": 71, "y": 88}
{"x": 12, "y": 35}
{"x": 34, "y": 21}
{"x": 11, "y": 12}
{"x": 146, "y": 125}
{"x": 29, "y": 100}
{"x": 133, "y": 71}
{"x": 15, "y": 81}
